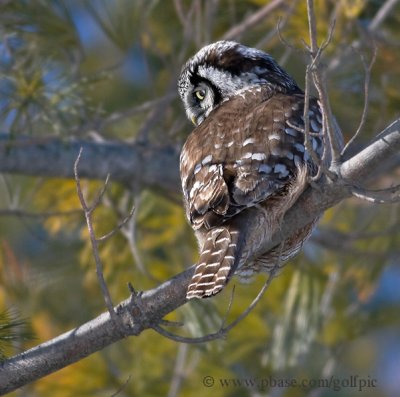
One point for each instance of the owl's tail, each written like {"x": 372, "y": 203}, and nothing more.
{"x": 228, "y": 247}
{"x": 218, "y": 261}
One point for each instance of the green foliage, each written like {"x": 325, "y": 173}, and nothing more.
{"x": 82, "y": 68}
{"x": 12, "y": 329}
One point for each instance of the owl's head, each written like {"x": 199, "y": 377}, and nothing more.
{"x": 223, "y": 69}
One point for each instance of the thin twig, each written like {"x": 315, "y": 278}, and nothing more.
{"x": 383, "y": 196}
{"x": 327, "y": 116}
{"x": 228, "y": 310}
{"x": 118, "y": 227}
{"x": 169, "y": 323}
{"x": 123, "y": 386}
{"x": 282, "y": 22}
{"x": 367, "y": 79}
{"x": 252, "y": 20}
{"x": 144, "y": 107}
{"x": 130, "y": 233}
{"x": 88, "y": 211}
{"x": 180, "y": 13}
{"x": 321, "y": 167}
{"x": 320, "y": 85}
{"x": 253, "y": 304}
{"x": 224, "y": 330}
{"x": 382, "y": 14}
{"x": 282, "y": 38}
{"x": 189, "y": 340}
{"x": 307, "y": 140}
{"x": 312, "y": 28}
{"x": 178, "y": 373}
{"x": 373, "y": 26}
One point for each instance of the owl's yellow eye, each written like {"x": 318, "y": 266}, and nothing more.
{"x": 200, "y": 94}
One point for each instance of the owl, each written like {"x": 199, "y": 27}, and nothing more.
{"x": 245, "y": 164}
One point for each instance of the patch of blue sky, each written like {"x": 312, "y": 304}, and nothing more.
{"x": 388, "y": 363}
{"x": 90, "y": 33}
{"x": 388, "y": 290}
{"x": 134, "y": 67}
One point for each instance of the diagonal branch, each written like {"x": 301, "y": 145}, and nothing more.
{"x": 156, "y": 303}
{"x": 364, "y": 165}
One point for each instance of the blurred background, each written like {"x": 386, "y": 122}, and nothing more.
{"x": 107, "y": 70}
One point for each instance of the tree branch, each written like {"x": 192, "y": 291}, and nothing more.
{"x": 94, "y": 335}
{"x": 139, "y": 164}
{"x": 252, "y": 20}
{"x": 156, "y": 303}
{"x": 366, "y": 163}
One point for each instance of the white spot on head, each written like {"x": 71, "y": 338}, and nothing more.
{"x": 229, "y": 144}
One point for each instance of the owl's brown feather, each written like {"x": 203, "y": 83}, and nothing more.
{"x": 248, "y": 153}
{"x": 245, "y": 164}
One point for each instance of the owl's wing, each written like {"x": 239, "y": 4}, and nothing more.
{"x": 243, "y": 154}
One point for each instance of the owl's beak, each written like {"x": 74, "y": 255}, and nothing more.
{"x": 194, "y": 120}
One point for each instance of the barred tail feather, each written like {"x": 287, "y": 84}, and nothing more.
{"x": 218, "y": 261}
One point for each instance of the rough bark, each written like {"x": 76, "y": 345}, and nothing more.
{"x": 135, "y": 164}
{"x": 156, "y": 303}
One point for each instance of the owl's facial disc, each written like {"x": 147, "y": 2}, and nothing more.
{"x": 221, "y": 70}
{"x": 199, "y": 101}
